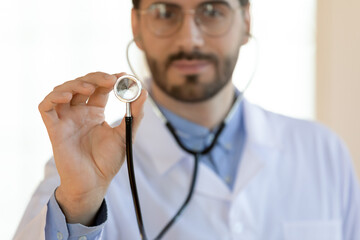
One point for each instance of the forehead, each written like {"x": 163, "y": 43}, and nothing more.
{"x": 183, "y": 3}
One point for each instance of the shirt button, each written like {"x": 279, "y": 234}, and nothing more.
{"x": 82, "y": 238}
{"x": 228, "y": 179}
{"x": 59, "y": 236}
{"x": 238, "y": 227}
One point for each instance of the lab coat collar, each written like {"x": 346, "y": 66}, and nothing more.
{"x": 258, "y": 130}
{"x": 261, "y": 144}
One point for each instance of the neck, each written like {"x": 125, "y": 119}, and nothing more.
{"x": 209, "y": 113}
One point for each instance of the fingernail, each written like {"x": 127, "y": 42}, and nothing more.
{"x": 86, "y": 85}
{"x": 66, "y": 94}
{"x": 110, "y": 77}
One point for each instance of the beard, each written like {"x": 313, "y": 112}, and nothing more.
{"x": 193, "y": 88}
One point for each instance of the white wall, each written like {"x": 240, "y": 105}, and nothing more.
{"x": 44, "y": 43}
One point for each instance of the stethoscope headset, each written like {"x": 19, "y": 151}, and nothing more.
{"x": 127, "y": 89}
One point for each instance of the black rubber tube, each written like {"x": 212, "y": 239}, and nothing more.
{"x": 131, "y": 172}
{"x": 186, "y": 202}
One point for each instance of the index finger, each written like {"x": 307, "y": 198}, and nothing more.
{"x": 99, "y": 79}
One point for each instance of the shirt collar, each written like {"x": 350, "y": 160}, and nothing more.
{"x": 155, "y": 142}
{"x": 197, "y": 137}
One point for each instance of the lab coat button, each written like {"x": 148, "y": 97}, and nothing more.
{"x": 238, "y": 227}
{"x": 59, "y": 236}
{"x": 82, "y": 238}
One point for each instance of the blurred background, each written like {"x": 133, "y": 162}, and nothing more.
{"x": 308, "y": 67}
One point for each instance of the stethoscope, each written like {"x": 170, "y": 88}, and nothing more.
{"x": 127, "y": 89}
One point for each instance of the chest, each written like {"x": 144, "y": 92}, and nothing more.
{"x": 270, "y": 201}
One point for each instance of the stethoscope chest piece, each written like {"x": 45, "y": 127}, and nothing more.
{"x": 127, "y": 89}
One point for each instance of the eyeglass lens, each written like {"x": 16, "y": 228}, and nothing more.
{"x": 213, "y": 18}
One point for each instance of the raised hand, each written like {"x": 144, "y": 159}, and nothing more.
{"x": 87, "y": 151}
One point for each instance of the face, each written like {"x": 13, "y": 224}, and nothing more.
{"x": 191, "y": 59}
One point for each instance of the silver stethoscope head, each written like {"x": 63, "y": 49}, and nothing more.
{"x": 127, "y": 89}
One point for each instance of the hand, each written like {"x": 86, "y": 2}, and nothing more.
{"x": 88, "y": 152}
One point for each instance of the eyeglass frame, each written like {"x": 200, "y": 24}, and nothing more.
{"x": 191, "y": 11}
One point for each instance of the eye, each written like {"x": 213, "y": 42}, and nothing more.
{"x": 162, "y": 11}
{"x": 210, "y": 10}
{"x": 214, "y": 10}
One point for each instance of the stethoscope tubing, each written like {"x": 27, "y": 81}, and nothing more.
{"x": 196, "y": 154}
{"x": 131, "y": 173}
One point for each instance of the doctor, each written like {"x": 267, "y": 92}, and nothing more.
{"x": 267, "y": 177}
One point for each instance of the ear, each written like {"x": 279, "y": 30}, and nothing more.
{"x": 247, "y": 22}
{"x": 135, "y": 25}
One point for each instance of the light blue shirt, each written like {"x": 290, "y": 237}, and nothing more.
{"x": 224, "y": 158}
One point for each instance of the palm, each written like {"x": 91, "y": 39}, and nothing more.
{"x": 88, "y": 151}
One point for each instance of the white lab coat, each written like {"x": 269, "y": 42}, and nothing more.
{"x": 295, "y": 181}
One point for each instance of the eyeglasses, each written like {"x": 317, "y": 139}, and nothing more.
{"x": 212, "y": 18}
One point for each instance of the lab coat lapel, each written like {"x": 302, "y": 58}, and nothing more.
{"x": 156, "y": 143}
{"x": 208, "y": 183}
{"x": 260, "y": 148}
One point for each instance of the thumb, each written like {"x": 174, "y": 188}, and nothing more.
{"x": 137, "y": 111}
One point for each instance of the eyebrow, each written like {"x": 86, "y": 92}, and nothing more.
{"x": 175, "y": 4}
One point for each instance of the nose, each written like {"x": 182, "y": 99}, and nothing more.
{"x": 189, "y": 36}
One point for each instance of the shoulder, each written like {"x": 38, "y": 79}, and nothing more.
{"x": 283, "y": 127}
{"x": 302, "y": 140}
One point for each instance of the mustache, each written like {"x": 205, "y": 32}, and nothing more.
{"x": 194, "y": 55}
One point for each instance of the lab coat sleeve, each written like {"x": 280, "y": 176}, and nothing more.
{"x": 43, "y": 219}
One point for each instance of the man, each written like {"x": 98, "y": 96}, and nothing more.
{"x": 267, "y": 176}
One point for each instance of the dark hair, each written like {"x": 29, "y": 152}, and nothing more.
{"x": 136, "y": 3}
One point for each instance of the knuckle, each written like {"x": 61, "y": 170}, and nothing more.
{"x": 58, "y": 87}
{"x": 121, "y": 74}
{"x": 40, "y": 106}
{"x": 95, "y": 74}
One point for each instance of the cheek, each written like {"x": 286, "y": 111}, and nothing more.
{"x": 156, "y": 52}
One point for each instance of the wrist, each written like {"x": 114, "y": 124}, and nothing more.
{"x": 80, "y": 208}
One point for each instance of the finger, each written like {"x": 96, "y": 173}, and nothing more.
{"x": 137, "y": 109}
{"x": 76, "y": 87}
{"x": 117, "y": 75}
{"x": 79, "y": 99}
{"x": 47, "y": 106}
{"x": 79, "y": 89}
{"x": 99, "y": 98}
{"x": 101, "y": 95}
{"x": 99, "y": 79}
{"x": 137, "y": 114}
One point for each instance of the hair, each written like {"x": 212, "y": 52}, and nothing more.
{"x": 136, "y": 3}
